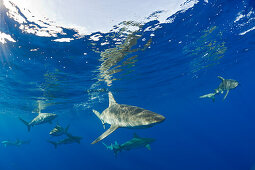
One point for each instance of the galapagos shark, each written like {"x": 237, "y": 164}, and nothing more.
{"x": 16, "y": 143}
{"x": 59, "y": 130}
{"x": 39, "y": 119}
{"x": 134, "y": 143}
{"x": 125, "y": 116}
{"x": 69, "y": 140}
{"x": 225, "y": 85}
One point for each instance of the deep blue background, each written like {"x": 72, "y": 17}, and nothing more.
{"x": 182, "y": 63}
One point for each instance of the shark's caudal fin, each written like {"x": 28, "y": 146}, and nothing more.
{"x": 111, "y": 99}
{"x": 98, "y": 115}
{"x": 110, "y": 147}
{"x": 221, "y": 78}
{"x": 105, "y": 134}
{"x": 54, "y": 143}
{"x": 26, "y": 123}
{"x": 210, "y": 95}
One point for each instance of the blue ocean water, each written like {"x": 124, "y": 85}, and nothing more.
{"x": 162, "y": 67}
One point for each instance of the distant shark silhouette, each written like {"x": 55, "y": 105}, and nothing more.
{"x": 69, "y": 140}
{"x": 120, "y": 115}
{"x": 225, "y": 85}
{"x": 39, "y": 119}
{"x": 59, "y": 130}
{"x": 16, "y": 143}
{"x": 134, "y": 143}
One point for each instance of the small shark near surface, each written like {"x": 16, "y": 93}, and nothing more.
{"x": 69, "y": 140}
{"x": 59, "y": 130}
{"x": 225, "y": 85}
{"x": 134, "y": 143}
{"x": 16, "y": 143}
{"x": 41, "y": 118}
{"x": 126, "y": 116}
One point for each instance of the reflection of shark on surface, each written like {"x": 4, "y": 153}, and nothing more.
{"x": 59, "y": 130}
{"x": 16, "y": 143}
{"x": 120, "y": 115}
{"x": 39, "y": 119}
{"x": 225, "y": 85}
{"x": 134, "y": 143}
{"x": 69, "y": 140}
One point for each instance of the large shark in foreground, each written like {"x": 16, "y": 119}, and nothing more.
{"x": 121, "y": 115}
{"x": 225, "y": 85}
{"x": 134, "y": 143}
{"x": 16, "y": 143}
{"x": 69, "y": 140}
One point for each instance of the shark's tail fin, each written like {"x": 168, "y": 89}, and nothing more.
{"x": 107, "y": 147}
{"x": 210, "y": 95}
{"x": 26, "y": 123}
{"x": 54, "y": 143}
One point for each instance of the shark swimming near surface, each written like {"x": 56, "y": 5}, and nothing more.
{"x": 225, "y": 85}
{"x": 125, "y": 116}
{"x": 69, "y": 140}
{"x": 41, "y": 118}
{"x": 134, "y": 143}
{"x": 59, "y": 130}
{"x": 16, "y": 143}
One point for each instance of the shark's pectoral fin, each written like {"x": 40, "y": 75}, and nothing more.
{"x": 99, "y": 117}
{"x": 221, "y": 78}
{"x": 105, "y": 134}
{"x": 148, "y": 146}
{"x": 226, "y": 95}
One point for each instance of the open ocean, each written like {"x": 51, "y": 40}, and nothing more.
{"x": 163, "y": 67}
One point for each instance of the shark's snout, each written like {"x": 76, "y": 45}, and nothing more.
{"x": 159, "y": 118}
{"x": 236, "y": 84}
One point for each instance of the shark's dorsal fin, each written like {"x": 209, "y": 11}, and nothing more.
{"x": 111, "y": 99}
{"x": 106, "y": 133}
{"x": 136, "y": 136}
{"x": 221, "y": 78}
{"x": 116, "y": 143}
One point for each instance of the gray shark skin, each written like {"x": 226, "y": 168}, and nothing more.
{"x": 135, "y": 143}
{"x": 59, "y": 130}
{"x": 69, "y": 140}
{"x": 40, "y": 119}
{"x": 126, "y": 116}
{"x": 225, "y": 85}
{"x": 116, "y": 148}
{"x": 16, "y": 143}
